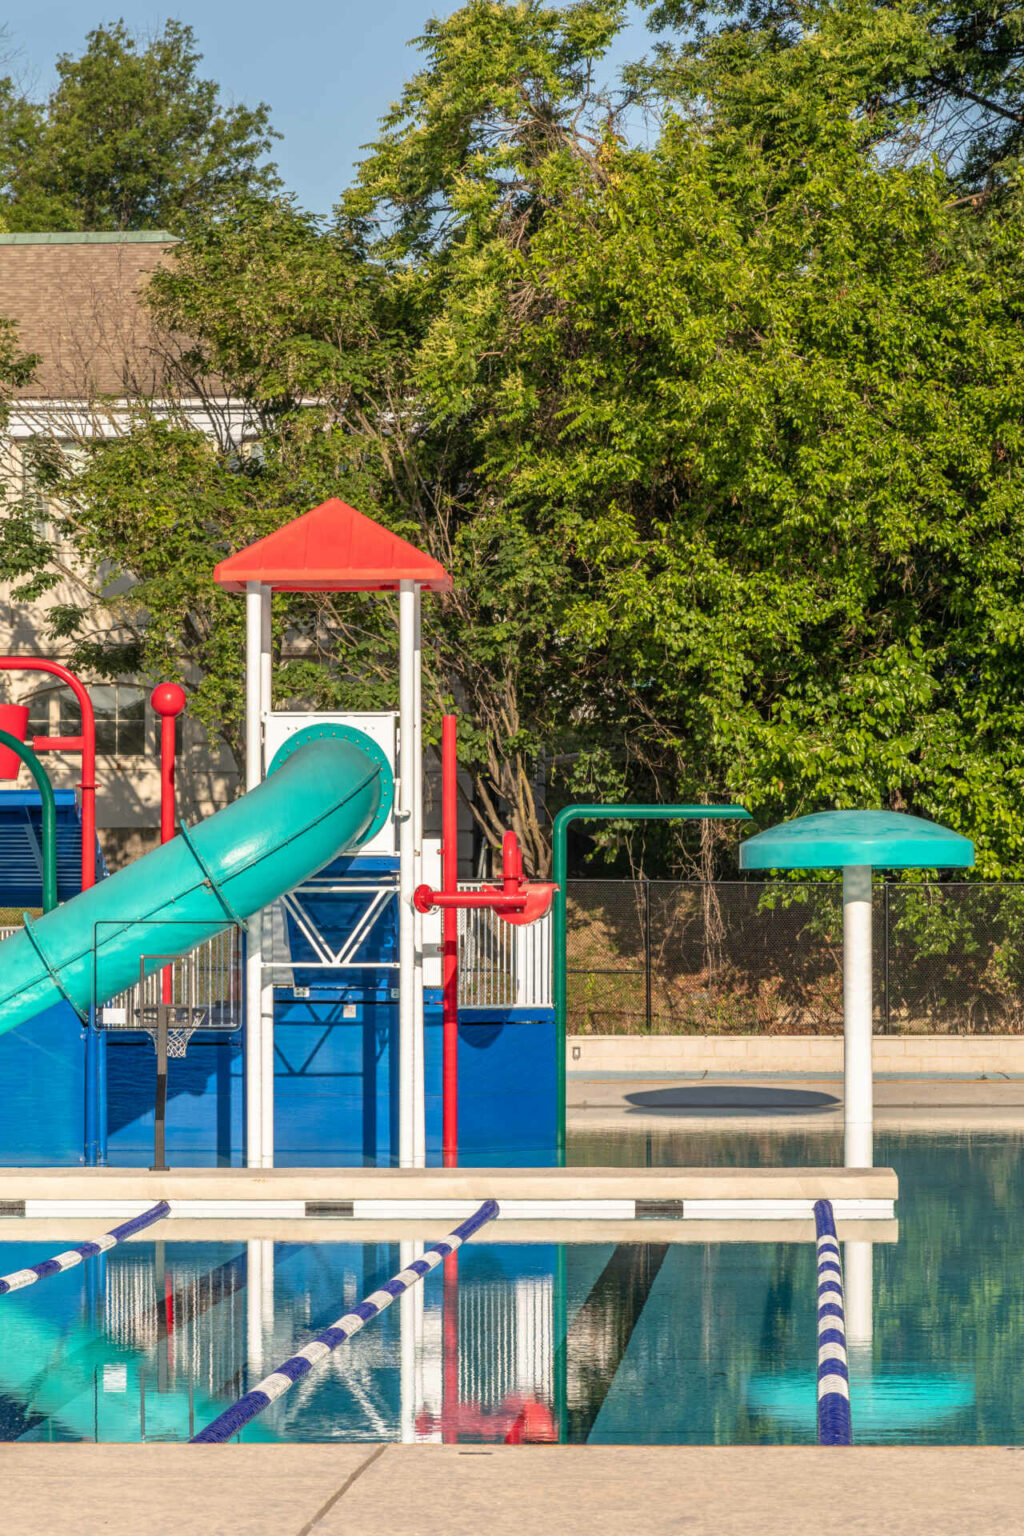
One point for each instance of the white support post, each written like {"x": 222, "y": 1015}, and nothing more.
{"x": 254, "y": 934}
{"x": 410, "y": 1348}
{"x": 857, "y": 1293}
{"x": 858, "y": 1150}
{"x": 419, "y": 1041}
{"x": 259, "y": 1301}
{"x": 266, "y": 653}
{"x": 266, "y": 1078}
{"x": 406, "y": 876}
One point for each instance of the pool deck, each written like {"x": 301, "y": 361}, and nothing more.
{"x": 435, "y": 1490}
{"x": 755, "y": 1101}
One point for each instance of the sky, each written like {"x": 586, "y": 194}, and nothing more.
{"x": 328, "y": 71}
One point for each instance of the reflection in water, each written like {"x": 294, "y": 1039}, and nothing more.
{"x": 599, "y": 1334}
{"x": 632, "y": 1344}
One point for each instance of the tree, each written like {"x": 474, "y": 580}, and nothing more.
{"x": 131, "y": 138}
{"x": 757, "y": 389}
{"x": 948, "y": 78}
{"x": 774, "y": 421}
{"x": 719, "y": 436}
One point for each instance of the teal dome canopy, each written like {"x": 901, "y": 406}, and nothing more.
{"x": 833, "y": 839}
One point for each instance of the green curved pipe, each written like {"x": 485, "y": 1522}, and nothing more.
{"x": 321, "y": 803}
{"x": 559, "y": 858}
{"x": 49, "y": 839}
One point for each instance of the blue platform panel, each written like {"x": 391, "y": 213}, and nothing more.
{"x": 508, "y": 1088}
{"x": 205, "y": 1125}
{"x": 336, "y": 1090}
{"x": 42, "y": 1079}
{"x": 43, "y": 1062}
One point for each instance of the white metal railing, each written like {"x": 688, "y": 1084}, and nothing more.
{"x": 207, "y": 981}
{"x": 502, "y": 965}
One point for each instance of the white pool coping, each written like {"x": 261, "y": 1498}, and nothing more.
{"x": 371, "y": 1194}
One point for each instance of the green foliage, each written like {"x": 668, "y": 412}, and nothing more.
{"x": 782, "y": 397}
{"x": 944, "y": 80}
{"x": 719, "y": 435}
{"x": 132, "y": 137}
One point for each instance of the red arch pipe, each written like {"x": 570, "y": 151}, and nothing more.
{"x": 85, "y": 744}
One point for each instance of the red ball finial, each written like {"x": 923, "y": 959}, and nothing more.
{"x": 168, "y": 699}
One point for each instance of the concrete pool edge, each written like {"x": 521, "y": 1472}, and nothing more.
{"x": 188, "y": 1229}
{"x": 818, "y": 1054}
{"x": 539, "y": 1194}
{"x": 436, "y": 1490}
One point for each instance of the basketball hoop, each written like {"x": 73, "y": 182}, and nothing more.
{"x": 170, "y": 1026}
{"x": 181, "y": 1025}
{"x": 191, "y": 986}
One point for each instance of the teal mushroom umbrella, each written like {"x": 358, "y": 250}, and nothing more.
{"x": 857, "y": 842}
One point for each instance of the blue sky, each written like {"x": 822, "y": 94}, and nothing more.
{"x": 327, "y": 70}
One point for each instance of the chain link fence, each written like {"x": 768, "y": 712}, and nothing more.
{"x": 744, "y": 957}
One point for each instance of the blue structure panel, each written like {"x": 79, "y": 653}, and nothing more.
{"x": 335, "y": 1088}
{"x": 205, "y": 1102}
{"x": 42, "y": 1068}
{"x": 508, "y": 1087}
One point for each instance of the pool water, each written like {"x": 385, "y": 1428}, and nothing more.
{"x": 636, "y": 1343}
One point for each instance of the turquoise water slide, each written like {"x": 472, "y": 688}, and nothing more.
{"x": 331, "y": 792}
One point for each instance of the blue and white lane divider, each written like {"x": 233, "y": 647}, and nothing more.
{"x": 275, "y": 1385}
{"x": 62, "y": 1261}
{"x": 833, "y": 1370}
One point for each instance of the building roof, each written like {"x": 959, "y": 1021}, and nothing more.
{"x": 76, "y": 299}
{"x": 333, "y": 548}
{"x": 835, "y": 839}
{"x": 88, "y": 237}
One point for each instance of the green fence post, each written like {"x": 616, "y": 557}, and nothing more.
{"x": 559, "y": 859}
{"x": 45, "y": 788}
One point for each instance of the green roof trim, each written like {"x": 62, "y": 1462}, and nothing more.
{"x": 92, "y": 237}
{"x": 835, "y": 839}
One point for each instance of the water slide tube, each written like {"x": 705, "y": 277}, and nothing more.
{"x": 56, "y": 1372}
{"x": 328, "y": 796}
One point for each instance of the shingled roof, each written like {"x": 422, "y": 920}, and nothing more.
{"x": 76, "y": 299}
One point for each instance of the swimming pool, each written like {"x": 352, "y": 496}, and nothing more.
{"x": 636, "y": 1343}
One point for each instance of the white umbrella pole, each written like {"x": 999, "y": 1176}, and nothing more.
{"x": 857, "y": 1278}
{"x": 254, "y": 1098}
{"x": 857, "y": 1021}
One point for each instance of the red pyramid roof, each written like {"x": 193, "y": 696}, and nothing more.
{"x": 333, "y": 548}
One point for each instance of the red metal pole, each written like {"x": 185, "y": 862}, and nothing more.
{"x": 168, "y": 700}
{"x": 85, "y": 743}
{"x": 450, "y": 943}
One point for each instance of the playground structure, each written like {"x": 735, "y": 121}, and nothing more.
{"x": 322, "y": 868}
{"x": 294, "y": 959}
{"x": 347, "y": 1043}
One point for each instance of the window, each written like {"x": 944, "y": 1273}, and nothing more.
{"x": 120, "y": 711}
{"x": 31, "y": 492}
{"x": 39, "y": 714}
{"x": 41, "y": 458}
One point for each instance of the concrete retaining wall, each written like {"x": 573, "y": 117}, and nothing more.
{"x": 816, "y": 1054}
